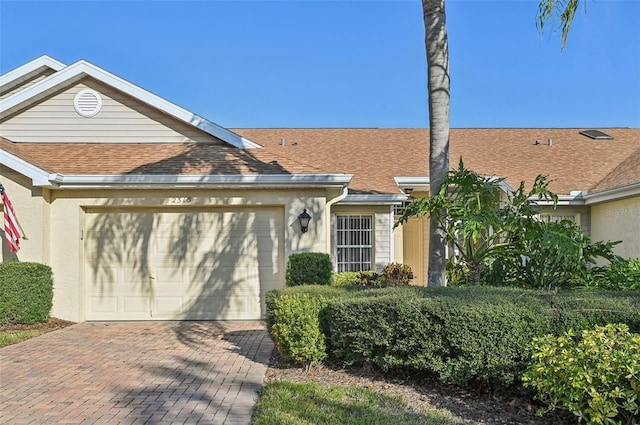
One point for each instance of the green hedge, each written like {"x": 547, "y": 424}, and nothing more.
{"x": 309, "y": 268}
{"x": 464, "y": 335}
{"x": 26, "y": 292}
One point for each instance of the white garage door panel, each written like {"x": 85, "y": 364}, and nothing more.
{"x": 181, "y": 264}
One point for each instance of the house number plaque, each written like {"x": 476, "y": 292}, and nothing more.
{"x": 180, "y": 200}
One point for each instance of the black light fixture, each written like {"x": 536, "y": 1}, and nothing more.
{"x": 304, "y": 218}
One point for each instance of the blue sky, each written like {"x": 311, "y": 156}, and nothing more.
{"x": 345, "y": 63}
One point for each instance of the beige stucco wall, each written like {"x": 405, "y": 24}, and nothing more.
{"x": 54, "y": 224}
{"x": 32, "y": 212}
{"x": 618, "y": 221}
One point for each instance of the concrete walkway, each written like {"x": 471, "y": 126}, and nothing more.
{"x": 136, "y": 373}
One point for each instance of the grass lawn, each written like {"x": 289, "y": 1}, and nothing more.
{"x": 291, "y": 403}
{"x": 11, "y": 337}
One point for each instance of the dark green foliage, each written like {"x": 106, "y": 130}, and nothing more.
{"x": 397, "y": 274}
{"x": 26, "y": 292}
{"x": 619, "y": 274}
{"x": 463, "y": 335}
{"x": 309, "y": 268}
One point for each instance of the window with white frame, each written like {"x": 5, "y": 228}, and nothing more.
{"x": 354, "y": 242}
{"x": 555, "y": 217}
{"x": 398, "y": 209}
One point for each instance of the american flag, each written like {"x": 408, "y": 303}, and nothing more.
{"x": 12, "y": 231}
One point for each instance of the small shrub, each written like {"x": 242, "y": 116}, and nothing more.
{"x": 597, "y": 378}
{"x": 457, "y": 274}
{"x": 309, "y": 268}
{"x": 620, "y": 274}
{"x": 26, "y": 292}
{"x": 397, "y": 274}
{"x": 364, "y": 278}
{"x": 296, "y": 329}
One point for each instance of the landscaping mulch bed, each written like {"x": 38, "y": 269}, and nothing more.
{"x": 468, "y": 407}
{"x": 51, "y": 325}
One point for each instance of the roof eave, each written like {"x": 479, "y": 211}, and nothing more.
{"x": 373, "y": 199}
{"x": 38, "y": 176}
{"x": 146, "y": 181}
{"x": 613, "y": 194}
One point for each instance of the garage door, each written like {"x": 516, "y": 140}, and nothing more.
{"x": 177, "y": 264}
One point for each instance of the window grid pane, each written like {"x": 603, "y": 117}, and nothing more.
{"x": 354, "y": 243}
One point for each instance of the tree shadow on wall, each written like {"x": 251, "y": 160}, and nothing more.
{"x": 202, "y": 251}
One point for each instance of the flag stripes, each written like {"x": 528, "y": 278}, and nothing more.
{"x": 12, "y": 231}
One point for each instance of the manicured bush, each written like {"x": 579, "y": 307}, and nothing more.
{"x": 461, "y": 337}
{"x": 397, "y": 274}
{"x": 296, "y": 329}
{"x": 465, "y": 335}
{"x": 309, "y": 268}
{"x": 26, "y": 292}
{"x": 597, "y": 377}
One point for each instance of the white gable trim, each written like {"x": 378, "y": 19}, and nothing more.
{"x": 75, "y": 72}
{"x": 32, "y": 67}
{"x": 38, "y": 176}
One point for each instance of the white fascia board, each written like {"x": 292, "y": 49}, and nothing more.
{"x": 80, "y": 69}
{"x": 134, "y": 181}
{"x": 373, "y": 199}
{"x": 30, "y": 67}
{"x": 38, "y": 176}
{"x": 575, "y": 198}
{"x": 412, "y": 182}
{"x": 617, "y": 193}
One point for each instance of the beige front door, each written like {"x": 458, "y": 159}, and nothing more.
{"x": 175, "y": 264}
{"x": 412, "y": 248}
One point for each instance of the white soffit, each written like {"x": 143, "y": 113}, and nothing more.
{"x": 75, "y": 72}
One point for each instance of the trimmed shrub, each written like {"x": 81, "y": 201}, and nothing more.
{"x": 309, "y": 268}
{"x": 26, "y": 292}
{"x": 597, "y": 378}
{"x": 460, "y": 338}
{"x": 397, "y": 274}
{"x": 296, "y": 329}
{"x": 468, "y": 335}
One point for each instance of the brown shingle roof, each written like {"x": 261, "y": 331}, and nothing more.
{"x": 624, "y": 174}
{"x": 374, "y": 156}
{"x": 165, "y": 158}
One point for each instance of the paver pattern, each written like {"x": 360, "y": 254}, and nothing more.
{"x": 136, "y": 373}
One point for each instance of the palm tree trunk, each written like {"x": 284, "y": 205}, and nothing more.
{"x": 439, "y": 96}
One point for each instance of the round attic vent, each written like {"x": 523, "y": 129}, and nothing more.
{"x": 87, "y": 102}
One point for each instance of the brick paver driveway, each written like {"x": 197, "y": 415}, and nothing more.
{"x": 135, "y": 373}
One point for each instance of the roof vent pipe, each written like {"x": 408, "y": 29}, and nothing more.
{"x": 537, "y": 142}
{"x": 550, "y": 142}
{"x": 282, "y": 141}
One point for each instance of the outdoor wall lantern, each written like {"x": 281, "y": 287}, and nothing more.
{"x": 304, "y": 218}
